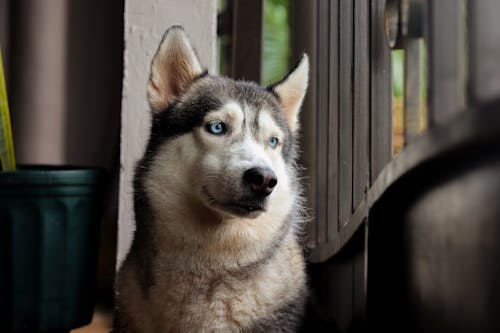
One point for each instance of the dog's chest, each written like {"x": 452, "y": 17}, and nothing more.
{"x": 197, "y": 304}
{"x": 225, "y": 303}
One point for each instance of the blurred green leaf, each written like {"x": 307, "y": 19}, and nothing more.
{"x": 276, "y": 40}
{"x": 397, "y": 73}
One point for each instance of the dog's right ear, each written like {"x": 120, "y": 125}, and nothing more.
{"x": 174, "y": 66}
{"x": 291, "y": 91}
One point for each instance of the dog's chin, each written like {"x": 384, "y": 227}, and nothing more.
{"x": 248, "y": 210}
{"x": 239, "y": 208}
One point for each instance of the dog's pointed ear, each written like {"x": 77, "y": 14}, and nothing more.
{"x": 174, "y": 66}
{"x": 291, "y": 91}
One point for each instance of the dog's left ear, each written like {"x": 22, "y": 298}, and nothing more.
{"x": 291, "y": 91}
{"x": 174, "y": 66}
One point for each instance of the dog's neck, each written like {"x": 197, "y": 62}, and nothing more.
{"x": 186, "y": 231}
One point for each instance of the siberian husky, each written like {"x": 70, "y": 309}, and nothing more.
{"x": 217, "y": 204}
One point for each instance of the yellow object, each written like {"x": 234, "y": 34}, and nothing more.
{"x": 7, "y": 158}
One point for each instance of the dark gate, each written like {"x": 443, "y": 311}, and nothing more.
{"x": 403, "y": 242}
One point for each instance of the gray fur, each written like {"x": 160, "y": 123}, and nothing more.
{"x": 178, "y": 281}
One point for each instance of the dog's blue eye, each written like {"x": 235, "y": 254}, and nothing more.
{"x": 216, "y": 127}
{"x": 274, "y": 141}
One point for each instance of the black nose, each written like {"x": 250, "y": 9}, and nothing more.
{"x": 261, "y": 180}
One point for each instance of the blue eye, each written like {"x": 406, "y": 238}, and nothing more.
{"x": 216, "y": 127}
{"x": 273, "y": 142}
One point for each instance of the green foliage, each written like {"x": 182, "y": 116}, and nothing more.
{"x": 276, "y": 40}
{"x": 397, "y": 73}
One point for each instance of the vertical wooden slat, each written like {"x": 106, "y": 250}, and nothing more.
{"x": 322, "y": 119}
{"x": 248, "y": 29}
{"x": 304, "y": 32}
{"x": 345, "y": 109}
{"x": 333, "y": 123}
{"x": 446, "y": 61}
{"x": 361, "y": 102}
{"x": 484, "y": 50}
{"x": 381, "y": 93}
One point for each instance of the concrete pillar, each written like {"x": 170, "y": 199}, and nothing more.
{"x": 145, "y": 23}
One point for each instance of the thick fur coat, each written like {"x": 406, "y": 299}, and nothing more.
{"x": 217, "y": 204}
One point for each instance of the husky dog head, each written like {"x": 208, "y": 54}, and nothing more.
{"x": 219, "y": 168}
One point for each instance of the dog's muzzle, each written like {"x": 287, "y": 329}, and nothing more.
{"x": 258, "y": 184}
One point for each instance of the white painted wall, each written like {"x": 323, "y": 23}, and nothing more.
{"x": 145, "y": 23}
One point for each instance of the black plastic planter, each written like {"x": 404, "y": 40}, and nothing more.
{"x": 49, "y": 232}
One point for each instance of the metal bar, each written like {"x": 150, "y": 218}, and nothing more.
{"x": 322, "y": 119}
{"x": 248, "y": 31}
{"x": 412, "y": 89}
{"x": 304, "y": 32}
{"x": 224, "y": 32}
{"x": 361, "y": 101}
{"x": 345, "y": 109}
{"x": 360, "y": 277}
{"x": 381, "y": 93}
{"x": 484, "y": 50}
{"x": 333, "y": 124}
{"x": 446, "y": 61}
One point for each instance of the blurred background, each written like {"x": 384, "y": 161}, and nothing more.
{"x": 64, "y": 68}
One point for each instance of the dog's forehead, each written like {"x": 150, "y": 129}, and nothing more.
{"x": 225, "y": 90}
{"x": 236, "y": 96}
